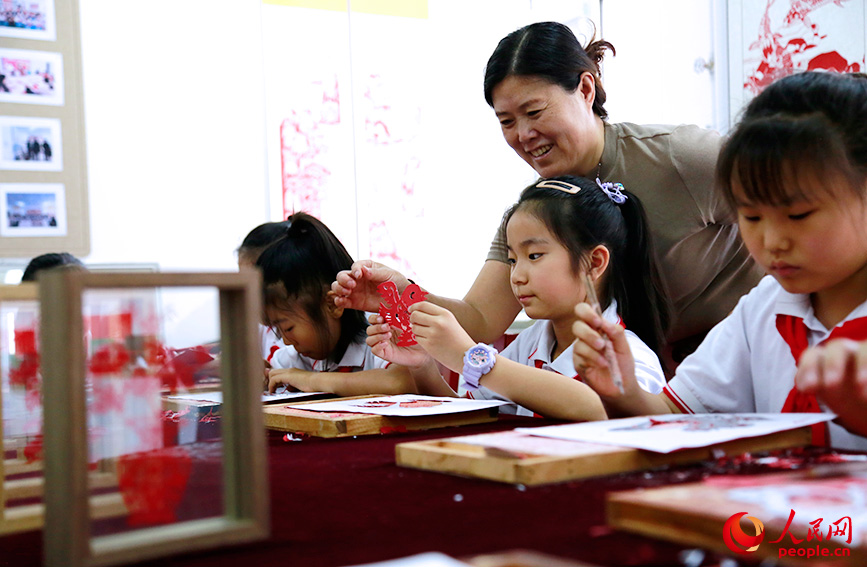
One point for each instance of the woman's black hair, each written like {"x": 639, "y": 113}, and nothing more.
{"x": 48, "y": 261}
{"x": 804, "y": 130}
{"x": 549, "y": 50}
{"x": 297, "y": 271}
{"x": 587, "y": 218}
{"x": 258, "y": 239}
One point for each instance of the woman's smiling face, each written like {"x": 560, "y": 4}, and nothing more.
{"x": 554, "y": 131}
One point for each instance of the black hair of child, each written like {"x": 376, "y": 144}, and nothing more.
{"x": 589, "y": 217}
{"x": 803, "y": 131}
{"x": 297, "y": 272}
{"x": 48, "y": 261}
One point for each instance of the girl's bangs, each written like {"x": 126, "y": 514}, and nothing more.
{"x": 781, "y": 162}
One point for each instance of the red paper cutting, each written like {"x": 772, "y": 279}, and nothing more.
{"x": 153, "y": 484}
{"x": 396, "y": 313}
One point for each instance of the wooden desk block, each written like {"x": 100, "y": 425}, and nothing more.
{"x": 522, "y": 558}
{"x": 554, "y": 460}
{"x": 694, "y": 514}
{"x": 329, "y": 424}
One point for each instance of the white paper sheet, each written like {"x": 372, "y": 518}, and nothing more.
{"x": 402, "y": 405}
{"x": 217, "y": 397}
{"x": 667, "y": 433}
{"x": 431, "y": 559}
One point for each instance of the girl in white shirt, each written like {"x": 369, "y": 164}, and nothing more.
{"x": 795, "y": 169}
{"x": 563, "y": 232}
{"x": 326, "y": 350}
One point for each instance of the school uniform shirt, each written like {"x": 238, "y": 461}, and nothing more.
{"x": 270, "y": 342}
{"x": 534, "y": 345}
{"x": 358, "y": 356}
{"x": 746, "y": 365}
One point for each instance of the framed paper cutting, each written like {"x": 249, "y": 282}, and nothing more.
{"x": 188, "y": 481}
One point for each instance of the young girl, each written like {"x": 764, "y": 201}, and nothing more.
{"x": 562, "y": 233}
{"x": 248, "y": 252}
{"x": 795, "y": 168}
{"x": 326, "y": 350}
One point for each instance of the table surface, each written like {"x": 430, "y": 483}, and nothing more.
{"x": 340, "y": 502}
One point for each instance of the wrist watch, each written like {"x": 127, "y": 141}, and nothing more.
{"x": 478, "y": 361}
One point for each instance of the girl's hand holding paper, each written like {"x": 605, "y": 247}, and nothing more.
{"x": 382, "y": 340}
{"x": 437, "y": 330}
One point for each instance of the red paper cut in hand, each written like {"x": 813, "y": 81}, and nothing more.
{"x": 397, "y": 312}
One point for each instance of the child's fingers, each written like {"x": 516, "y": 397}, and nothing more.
{"x": 585, "y": 334}
{"x": 378, "y": 334}
{"x": 376, "y": 319}
{"x": 837, "y": 363}
{"x": 426, "y": 307}
{"x": 861, "y": 369}
{"x": 585, "y": 356}
{"x": 273, "y": 382}
{"x": 808, "y": 376}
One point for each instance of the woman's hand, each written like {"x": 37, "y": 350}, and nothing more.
{"x": 297, "y": 380}
{"x": 836, "y": 372}
{"x": 356, "y": 288}
{"x": 588, "y": 353}
{"x": 437, "y": 330}
{"x": 382, "y": 340}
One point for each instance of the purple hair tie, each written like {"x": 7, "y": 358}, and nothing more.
{"x": 613, "y": 190}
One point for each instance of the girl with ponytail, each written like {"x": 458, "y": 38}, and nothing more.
{"x": 325, "y": 348}
{"x": 563, "y": 234}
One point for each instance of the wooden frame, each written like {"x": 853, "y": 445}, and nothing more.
{"x": 30, "y": 516}
{"x": 22, "y": 518}
{"x": 68, "y": 539}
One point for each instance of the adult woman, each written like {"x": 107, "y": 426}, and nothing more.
{"x": 546, "y": 92}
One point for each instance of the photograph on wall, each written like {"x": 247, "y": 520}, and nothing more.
{"x": 30, "y": 144}
{"x": 32, "y": 209}
{"x": 31, "y": 77}
{"x": 28, "y": 19}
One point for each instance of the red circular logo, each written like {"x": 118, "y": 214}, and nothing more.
{"x": 735, "y": 537}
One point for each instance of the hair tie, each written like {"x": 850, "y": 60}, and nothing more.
{"x": 613, "y": 190}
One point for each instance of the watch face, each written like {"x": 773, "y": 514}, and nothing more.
{"x": 478, "y": 357}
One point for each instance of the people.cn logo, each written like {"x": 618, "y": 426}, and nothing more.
{"x": 737, "y": 540}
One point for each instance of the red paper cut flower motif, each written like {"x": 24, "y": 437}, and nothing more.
{"x": 396, "y": 313}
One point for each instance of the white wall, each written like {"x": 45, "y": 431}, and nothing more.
{"x": 656, "y": 76}
{"x": 174, "y": 114}
{"x": 176, "y": 130}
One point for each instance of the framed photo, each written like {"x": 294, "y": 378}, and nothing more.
{"x": 770, "y": 40}
{"x": 31, "y": 77}
{"x": 32, "y": 209}
{"x": 30, "y": 144}
{"x": 28, "y": 19}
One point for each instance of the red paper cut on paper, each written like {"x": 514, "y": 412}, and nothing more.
{"x": 396, "y": 313}
{"x": 420, "y": 404}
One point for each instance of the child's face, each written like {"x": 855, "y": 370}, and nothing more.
{"x": 541, "y": 270}
{"x": 808, "y": 246}
{"x": 298, "y": 331}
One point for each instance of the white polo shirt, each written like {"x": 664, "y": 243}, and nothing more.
{"x": 534, "y": 345}
{"x": 358, "y": 356}
{"x": 745, "y": 365}
{"x": 270, "y": 342}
